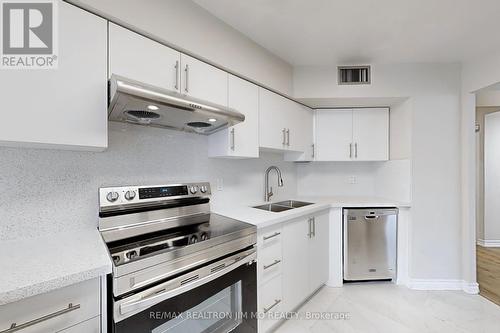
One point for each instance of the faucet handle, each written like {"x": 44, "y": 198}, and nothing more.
{"x": 270, "y": 194}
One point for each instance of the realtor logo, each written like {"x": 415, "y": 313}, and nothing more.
{"x": 28, "y": 34}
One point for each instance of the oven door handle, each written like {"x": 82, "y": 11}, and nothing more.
{"x": 144, "y": 302}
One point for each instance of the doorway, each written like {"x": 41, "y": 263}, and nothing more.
{"x": 488, "y": 192}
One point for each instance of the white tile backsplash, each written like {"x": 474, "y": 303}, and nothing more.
{"x": 47, "y": 191}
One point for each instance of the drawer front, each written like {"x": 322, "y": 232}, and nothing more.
{"x": 89, "y": 326}
{"x": 269, "y": 263}
{"x": 84, "y": 297}
{"x": 270, "y": 300}
{"x": 269, "y": 237}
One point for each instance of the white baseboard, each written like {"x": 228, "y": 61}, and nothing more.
{"x": 442, "y": 284}
{"x": 488, "y": 243}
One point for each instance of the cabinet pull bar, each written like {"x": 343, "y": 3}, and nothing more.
{"x": 271, "y": 265}
{"x": 176, "y": 75}
{"x": 283, "y": 131}
{"x": 271, "y": 236}
{"x": 314, "y": 226}
{"x": 232, "y": 138}
{"x": 288, "y": 137}
{"x": 187, "y": 78}
{"x": 350, "y": 150}
{"x": 14, "y": 327}
{"x": 276, "y": 302}
{"x": 313, "y": 152}
{"x": 356, "y": 150}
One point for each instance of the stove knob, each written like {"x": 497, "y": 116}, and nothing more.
{"x": 193, "y": 189}
{"x": 203, "y": 189}
{"x": 112, "y": 196}
{"x": 194, "y": 239}
{"x": 116, "y": 259}
{"x": 130, "y": 195}
{"x": 131, "y": 255}
{"x": 203, "y": 236}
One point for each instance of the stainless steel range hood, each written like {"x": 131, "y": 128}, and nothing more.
{"x": 142, "y": 104}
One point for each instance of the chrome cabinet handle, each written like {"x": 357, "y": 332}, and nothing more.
{"x": 232, "y": 138}
{"x": 14, "y": 327}
{"x": 186, "y": 88}
{"x": 356, "y": 150}
{"x": 309, "y": 233}
{"x": 313, "y": 152}
{"x": 283, "y": 131}
{"x": 271, "y": 236}
{"x": 288, "y": 137}
{"x": 314, "y": 226}
{"x": 350, "y": 150}
{"x": 276, "y": 302}
{"x": 277, "y": 261}
{"x": 176, "y": 75}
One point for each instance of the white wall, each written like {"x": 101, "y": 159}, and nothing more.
{"x": 185, "y": 25}
{"x": 434, "y": 93}
{"x": 400, "y": 128}
{"x": 492, "y": 178}
{"x": 52, "y": 190}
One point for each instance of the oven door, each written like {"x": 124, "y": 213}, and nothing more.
{"x": 219, "y": 297}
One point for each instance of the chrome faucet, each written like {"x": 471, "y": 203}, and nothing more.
{"x": 268, "y": 192}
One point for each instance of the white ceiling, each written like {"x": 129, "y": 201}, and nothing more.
{"x": 327, "y": 32}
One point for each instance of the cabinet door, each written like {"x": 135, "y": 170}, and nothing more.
{"x": 295, "y": 263}
{"x": 90, "y": 326}
{"x": 333, "y": 135}
{"x": 371, "y": 134}
{"x": 203, "y": 81}
{"x": 65, "y": 107}
{"x": 301, "y": 128}
{"x": 319, "y": 252}
{"x": 272, "y": 120}
{"x": 139, "y": 58}
{"x": 241, "y": 140}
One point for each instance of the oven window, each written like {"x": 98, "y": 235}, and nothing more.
{"x": 222, "y": 312}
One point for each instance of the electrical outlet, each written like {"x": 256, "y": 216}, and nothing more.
{"x": 220, "y": 184}
{"x": 353, "y": 180}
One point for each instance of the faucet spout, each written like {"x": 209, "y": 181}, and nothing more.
{"x": 268, "y": 191}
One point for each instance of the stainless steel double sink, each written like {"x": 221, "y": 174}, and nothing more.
{"x": 283, "y": 205}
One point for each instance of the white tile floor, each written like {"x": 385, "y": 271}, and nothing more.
{"x": 387, "y": 308}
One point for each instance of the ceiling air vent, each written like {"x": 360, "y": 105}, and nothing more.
{"x": 354, "y": 74}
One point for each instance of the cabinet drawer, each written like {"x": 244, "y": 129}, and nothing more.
{"x": 89, "y": 326}
{"x": 269, "y": 263}
{"x": 270, "y": 301}
{"x": 269, "y": 237}
{"x": 84, "y": 297}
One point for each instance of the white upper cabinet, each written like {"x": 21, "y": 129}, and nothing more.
{"x": 301, "y": 134}
{"x": 64, "y": 107}
{"x": 272, "y": 124}
{"x": 203, "y": 81}
{"x": 241, "y": 140}
{"x": 352, "y": 134}
{"x": 284, "y": 124}
{"x": 371, "y": 134}
{"x": 333, "y": 135}
{"x": 142, "y": 59}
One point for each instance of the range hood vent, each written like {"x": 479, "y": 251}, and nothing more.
{"x": 354, "y": 75}
{"x": 142, "y": 104}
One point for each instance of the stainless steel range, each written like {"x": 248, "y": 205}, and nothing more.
{"x": 176, "y": 266}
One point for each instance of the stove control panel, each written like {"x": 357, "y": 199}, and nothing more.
{"x": 119, "y": 196}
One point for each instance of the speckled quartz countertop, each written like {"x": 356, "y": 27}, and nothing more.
{"x": 37, "y": 265}
{"x": 262, "y": 218}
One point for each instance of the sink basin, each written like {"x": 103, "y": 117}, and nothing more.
{"x": 293, "y": 203}
{"x": 273, "y": 208}
{"x": 283, "y": 205}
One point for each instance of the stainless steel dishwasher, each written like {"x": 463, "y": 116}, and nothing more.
{"x": 370, "y": 243}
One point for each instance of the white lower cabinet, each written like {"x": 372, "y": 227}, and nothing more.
{"x": 72, "y": 309}
{"x": 293, "y": 262}
{"x": 305, "y": 258}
